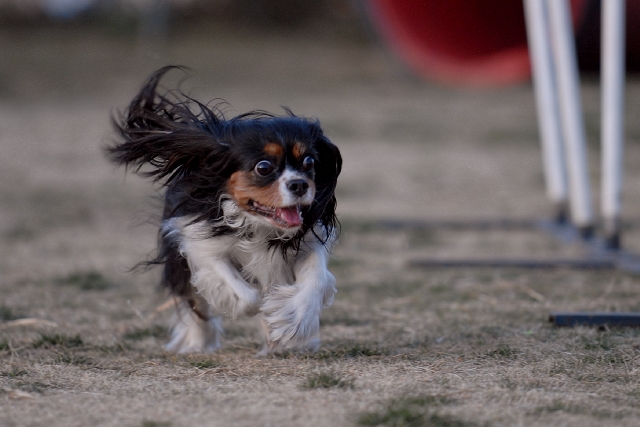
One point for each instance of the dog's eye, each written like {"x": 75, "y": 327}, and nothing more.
{"x": 264, "y": 168}
{"x": 308, "y": 163}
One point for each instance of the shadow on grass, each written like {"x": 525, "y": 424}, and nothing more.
{"x": 571, "y": 408}
{"x": 85, "y": 280}
{"x": 150, "y": 423}
{"x": 7, "y": 314}
{"x": 155, "y": 331}
{"x": 327, "y": 379}
{"x": 415, "y": 411}
{"x": 57, "y": 340}
{"x": 350, "y": 350}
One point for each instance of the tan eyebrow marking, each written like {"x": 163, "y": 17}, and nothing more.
{"x": 273, "y": 149}
{"x": 298, "y": 150}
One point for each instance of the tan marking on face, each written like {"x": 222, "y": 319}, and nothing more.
{"x": 241, "y": 189}
{"x": 273, "y": 149}
{"x": 298, "y": 150}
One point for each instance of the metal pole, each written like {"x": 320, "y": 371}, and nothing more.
{"x": 612, "y": 68}
{"x": 545, "y": 88}
{"x": 572, "y": 123}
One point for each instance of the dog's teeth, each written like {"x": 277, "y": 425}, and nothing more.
{"x": 289, "y": 217}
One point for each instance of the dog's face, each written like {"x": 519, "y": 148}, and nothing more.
{"x": 276, "y": 182}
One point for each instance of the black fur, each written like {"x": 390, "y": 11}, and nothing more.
{"x": 193, "y": 150}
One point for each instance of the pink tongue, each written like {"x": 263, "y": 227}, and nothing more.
{"x": 290, "y": 215}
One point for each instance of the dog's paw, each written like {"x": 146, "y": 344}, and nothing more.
{"x": 293, "y": 319}
{"x": 192, "y": 335}
{"x": 232, "y": 298}
{"x": 248, "y": 303}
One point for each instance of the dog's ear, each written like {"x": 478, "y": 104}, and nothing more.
{"x": 329, "y": 163}
{"x": 162, "y": 131}
{"x": 323, "y": 209}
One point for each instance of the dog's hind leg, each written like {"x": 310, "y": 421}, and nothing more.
{"x": 194, "y": 329}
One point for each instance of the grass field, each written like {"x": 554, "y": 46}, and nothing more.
{"x": 402, "y": 346}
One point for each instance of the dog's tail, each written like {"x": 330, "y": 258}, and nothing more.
{"x": 162, "y": 130}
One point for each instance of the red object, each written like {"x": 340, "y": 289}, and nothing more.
{"x": 460, "y": 42}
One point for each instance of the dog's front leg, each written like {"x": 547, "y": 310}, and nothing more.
{"x": 224, "y": 292}
{"x": 222, "y": 286}
{"x": 215, "y": 276}
{"x": 291, "y": 313}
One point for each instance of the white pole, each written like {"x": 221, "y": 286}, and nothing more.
{"x": 612, "y": 69}
{"x": 571, "y": 111}
{"x": 545, "y": 89}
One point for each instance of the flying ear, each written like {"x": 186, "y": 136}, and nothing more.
{"x": 329, "y": 163}
{"x": 161, "y": 130}
{"x": 323, "y": 210}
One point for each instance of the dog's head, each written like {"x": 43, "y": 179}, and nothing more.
{"x": 286, "y": 170}
{"x": 280, "y": 171}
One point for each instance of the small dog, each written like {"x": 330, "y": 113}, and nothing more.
{"x": 249, "y": 215}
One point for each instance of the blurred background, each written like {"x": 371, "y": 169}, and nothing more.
{"x": 431, "y": 105}
{"x": 72, "y": 47}
{"x": 429, "y": 102}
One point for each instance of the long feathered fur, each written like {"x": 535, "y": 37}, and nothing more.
{"x": 234, "y": 240}
{"x": 192, "y": 150}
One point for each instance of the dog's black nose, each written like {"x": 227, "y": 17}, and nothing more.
{"x": 298, "y": 187}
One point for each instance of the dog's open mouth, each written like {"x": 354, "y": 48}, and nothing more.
{"x": 286, "y": 217}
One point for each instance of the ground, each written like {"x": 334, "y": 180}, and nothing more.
{"x": 402, "y": 346}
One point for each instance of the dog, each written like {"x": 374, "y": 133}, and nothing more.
{"x": 249, "y": 215}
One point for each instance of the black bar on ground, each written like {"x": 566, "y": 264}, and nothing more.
{"x": 488, "y": 224}
{"x": 595, "y": 319}
{"x": 580, "y": 264}
{"x": 560, "y": 220}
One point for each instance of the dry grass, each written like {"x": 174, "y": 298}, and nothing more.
{"x": 402, "y": 346}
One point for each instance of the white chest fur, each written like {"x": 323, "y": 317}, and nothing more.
{"x": 241, "y": 274}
